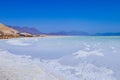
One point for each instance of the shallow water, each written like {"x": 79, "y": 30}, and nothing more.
{"x": 71, "y": 58}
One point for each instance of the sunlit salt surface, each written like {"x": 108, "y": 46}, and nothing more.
{"x": 60, "y": 58}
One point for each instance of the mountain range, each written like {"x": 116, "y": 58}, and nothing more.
{"x": 35, "y": 31}
{"x": 70, "y": 33}
{"x": 32, "y": 31}
{"x": 108, "y": 34}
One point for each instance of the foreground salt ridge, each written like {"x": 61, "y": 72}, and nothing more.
{"x": 82, "y": 53}
{"x": 13, "y": 67}
{"x": 25, "y": 68}
{"x": 17, "y": 42}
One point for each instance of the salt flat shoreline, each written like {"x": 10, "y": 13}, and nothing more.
{"x": 37, "y": 37}
{"x": 52, "y": 36}
{"x": 57, "y": 56}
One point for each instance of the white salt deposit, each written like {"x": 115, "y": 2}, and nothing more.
{"x": 82, "y": 53}
{"x": 18, "y": 42}
{"x": 95, "y": 59}
{"x": 13, "y": 67}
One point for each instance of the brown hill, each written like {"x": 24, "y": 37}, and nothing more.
{"x": 6, "y": 32}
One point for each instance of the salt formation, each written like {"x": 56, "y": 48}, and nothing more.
{"x": 93, "y": 60}
{"x": 13, "y": 67}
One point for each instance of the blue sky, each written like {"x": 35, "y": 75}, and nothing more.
{"x": 62, "y": 15}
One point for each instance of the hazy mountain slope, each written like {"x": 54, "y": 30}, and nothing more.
{"x": 70, "y": 33}
{"x": 6, "y": 30}
{"x": 33, "y": 31}
{"x": 108, "y": 34}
